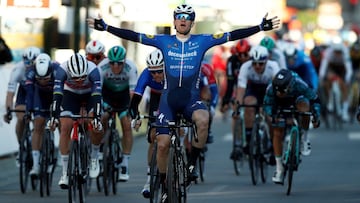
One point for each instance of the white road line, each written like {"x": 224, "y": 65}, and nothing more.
{"x": 354, "y": 135}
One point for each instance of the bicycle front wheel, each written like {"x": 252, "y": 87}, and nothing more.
{"x": 292, "y": 159}
{"x": 25, "y": 160}
{"x": 73, "y": 172}
{"x": 238, "y": 159}
{"x": 155, "y": 193}
{"x": 254, "y": 163}
{"x": 176, "y": 177}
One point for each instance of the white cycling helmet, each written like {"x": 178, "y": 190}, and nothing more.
{"x": 290, "y": 50}
{"x": 155, "y": 58}
{"x": 185, "y": 9}
{"x": 77, "y": 65}
{"x": 31, "y": 53}
{"x": 42, "y": 65}
{"x": 259, "y": 53}
{"x": 94, "y": 47}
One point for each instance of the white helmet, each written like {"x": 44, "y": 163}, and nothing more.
{"x": 42, "y": 65}
{"x": 185, "y": 9}
{"x": 94, "y": 47}
{"x": 259, "y": 53}
{"x": 155, "y": 58}
{"x": 290, "y": 50}
{"x": 77, "y": 65}
{"x": 31, "y": 53}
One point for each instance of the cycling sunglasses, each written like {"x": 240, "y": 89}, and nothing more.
{"x": 39, "y": 78}
{"x": 181, "y": 16}
{"x": 258, "y": 63}
{"x": 116, "y": 62}
{"x": 79, "y": 79}
{"x": 156, "y": 71}
{"x": 92, "y": 57}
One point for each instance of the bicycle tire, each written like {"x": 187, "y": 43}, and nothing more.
{"x": 155, "y": 193}
{"x": 238, "y": 162}
{"x": 44, "y": 164}
{"x": 254, "y": 164}
{"x": 291, "y": 164}
{"x": 24, "y": 157}
{"x": 176, "y": 177}
{"x": 52, "y": 162}
{"x": 84, "y": 178}
{"x": 116, "y": 158}
{"x": 73, "y": 172}
{"x": 264, "y": 167}
{"x": 201, "y": 162}
{"x": 107, "y": 163}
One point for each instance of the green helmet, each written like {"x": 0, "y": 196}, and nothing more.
{"x": 268, "y": 43}
{"x": 117, "y": 53}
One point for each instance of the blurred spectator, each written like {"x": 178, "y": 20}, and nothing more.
{"x": 5, "y": 52}
{"x": 218, "y": 61}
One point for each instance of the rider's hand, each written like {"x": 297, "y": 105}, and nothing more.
{"x": 53, "y": 123}
{"x": 97, "y": 23}
{"x": 136, "y": 123}
{"x": 7, "y": 117}
{"x": 97, "y": 125}
{"x": 269, "y": 24}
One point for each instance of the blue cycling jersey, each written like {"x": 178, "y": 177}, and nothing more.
{"x": 305, "y": 69}
{"x": 146, "y": 80}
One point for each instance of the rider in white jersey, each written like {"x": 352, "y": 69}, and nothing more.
{"x": 254, "y": 77}
{"x": 17, "y": 84}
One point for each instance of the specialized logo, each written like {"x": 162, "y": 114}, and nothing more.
{"x": 218, "y": 36}
{"x": 161, "y": 117}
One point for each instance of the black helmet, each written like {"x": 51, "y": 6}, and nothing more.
{"x": 283, "y": 80}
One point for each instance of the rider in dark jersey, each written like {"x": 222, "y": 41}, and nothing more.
{"x": 183, "y": 54}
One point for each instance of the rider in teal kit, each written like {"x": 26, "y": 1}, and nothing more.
{"x": 183, "y": 53}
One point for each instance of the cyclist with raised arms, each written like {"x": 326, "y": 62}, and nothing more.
{"x": 240, "y": 55}
{"x": 17, "y": 84}
{"x": 183, "y": 54}
{"x": 288, "y": 89}
{"x": 119, "y": 80}
{"x": 39, "y": 87}
{"x": 254, "y": 77}
{"x": 153, "y": 77}
{"x": 77, "y": 83}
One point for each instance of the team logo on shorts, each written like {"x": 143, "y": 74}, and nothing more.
{"x": 150, "y": 36}
{"x": 218, "y": 36}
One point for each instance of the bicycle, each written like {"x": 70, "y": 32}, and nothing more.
{"x": 25, "y": 153}
{"x": 79, "y": 159}
{"x": 112, "y": 155}
{"x": 176, "y": 179}
{"x": 291, "y": 150}
{"x": 258, "y": 146}
{"x": 48, "y": 161}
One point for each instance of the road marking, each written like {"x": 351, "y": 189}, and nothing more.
{"x": 354, "y": 135}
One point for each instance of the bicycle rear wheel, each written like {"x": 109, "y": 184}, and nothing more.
{"x": 116, "y": 159}
{"x": 254, "y": 162}
{"x": 202, "y": 163}
{"x": 44, "y": 164}
{"x": 52, "y": 160}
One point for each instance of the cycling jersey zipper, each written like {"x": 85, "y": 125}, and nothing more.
{"x": 181, "y": 63}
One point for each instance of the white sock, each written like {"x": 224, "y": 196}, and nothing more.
{"x": 65, "y": 161}
{"x": 95, "y": 151}
{"x": 125, "y": 161}
{"x": 36, "y": 158}
{"x": 279, "y": 166}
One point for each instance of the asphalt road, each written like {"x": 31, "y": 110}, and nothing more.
{"x": 330, "y": 174}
